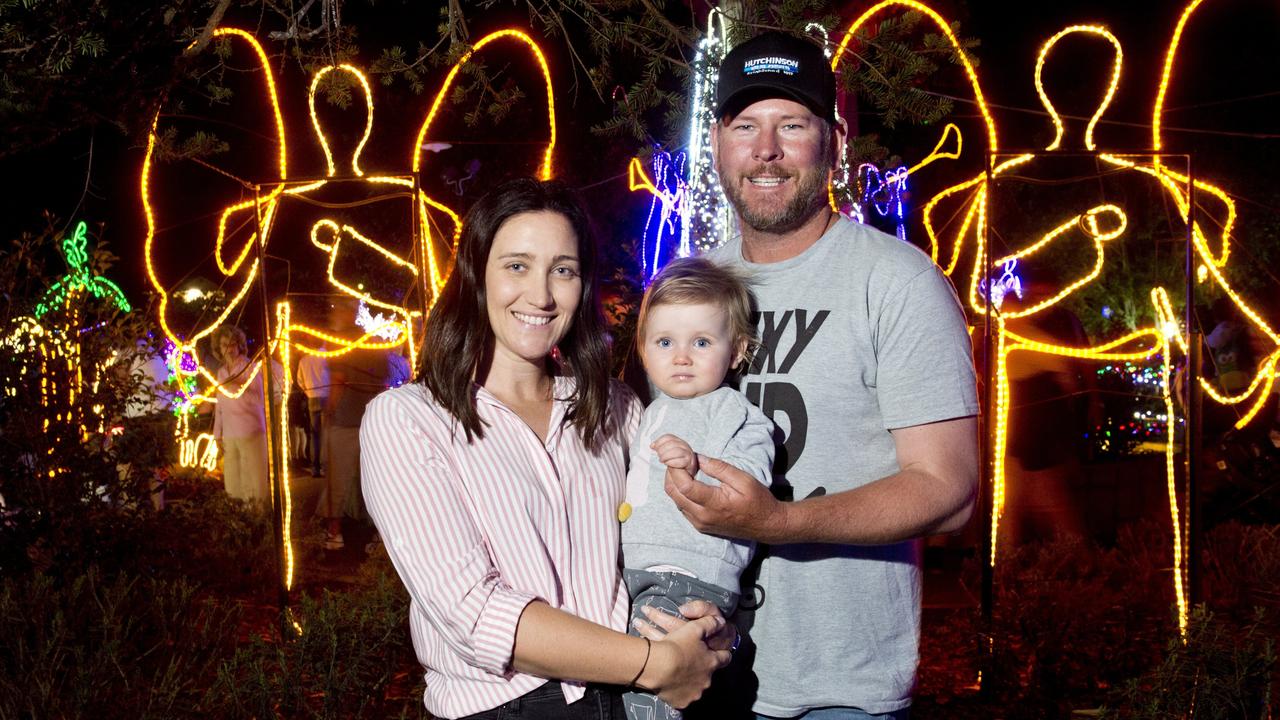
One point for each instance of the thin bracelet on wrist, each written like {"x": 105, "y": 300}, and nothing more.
{"x": 648, "y": 647}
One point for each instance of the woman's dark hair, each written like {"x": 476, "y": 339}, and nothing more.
{"x": 458, "y": 331}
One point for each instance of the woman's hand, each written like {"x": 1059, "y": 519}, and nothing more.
{"x": 726, "y": 638}
{"x": 685, "y": 652}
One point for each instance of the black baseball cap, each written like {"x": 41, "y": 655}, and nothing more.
{"x": 776, "y": 64}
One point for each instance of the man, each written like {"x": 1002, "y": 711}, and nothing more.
{"x": 865, "y": 367}
{"x": 356, "y": 377}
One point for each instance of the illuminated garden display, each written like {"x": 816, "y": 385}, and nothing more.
{"x": 1162, "y": 332}
{"x": 328, "y": 264}
{"x": 231, "y": 226}
{"x": 349, "y": 260}
{"x": 49, "y": 344}
{"x": 995, "y": 280}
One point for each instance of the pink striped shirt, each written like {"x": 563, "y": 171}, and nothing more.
{"x": 477, "y": 531}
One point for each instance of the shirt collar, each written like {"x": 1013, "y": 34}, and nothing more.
{"x": 561, "y": 394}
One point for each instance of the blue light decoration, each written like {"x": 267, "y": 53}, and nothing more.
{"x": 663, "y": 228}
{"x": 1009, "y": 282}
{"x": 884, "y": 191}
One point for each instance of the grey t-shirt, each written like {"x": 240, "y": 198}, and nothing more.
{"x": 861, "y": 334}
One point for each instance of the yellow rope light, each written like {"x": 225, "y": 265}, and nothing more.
{"x": 286, "y": 489}
{"x": 1160, "y": 339}
{"x": 1088, "y": 223}
{"x": 545, "y": 170}
{"x": 937, "y": 153}
{"x": 430, "y": 268}
{"x": 945, "y": 28}
{"x": 315, "y": 120}
{"x": 1111, "y": 87}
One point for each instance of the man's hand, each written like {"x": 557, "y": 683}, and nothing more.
{"x": 676, "y": 453}
{"x": 740, "y": 507}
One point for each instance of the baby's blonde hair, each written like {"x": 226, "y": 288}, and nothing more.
{"x": 697, "y": 280}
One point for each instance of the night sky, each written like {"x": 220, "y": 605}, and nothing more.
{"x": 1223, "y": 108}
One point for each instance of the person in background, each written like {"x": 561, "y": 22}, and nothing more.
{"x": 355, "y": 379}
{"x": 313, "y": 378}
{"x": 239, "y": 416}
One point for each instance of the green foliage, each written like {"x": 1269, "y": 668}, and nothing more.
{"x": 225, "y": 544}
{"x": 65, "y": 472}
{"x": 1221, "y": 672}
{"x": 1242, "y": 570}
{"x": 1084, "y": 630}
{"x": 1072, "y": 618}
{"x": 200, "y": 144}
{"x": 64, "y": 65}
{"x": 645, "y": 48}
{"x": 126, "y": 647}
{"x": 896, "y": 66}
{"x": 351, "y": 660}
{"x": 118, "y": 645}
{"x": 67, "y": 65}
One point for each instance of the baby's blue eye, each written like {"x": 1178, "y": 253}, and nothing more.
{"x": 664, "y": 342}
{"x": 702, "y": 343}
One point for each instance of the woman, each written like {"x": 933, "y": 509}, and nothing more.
{"x": 495, "y": 482}
{"x": 239, "y": 420}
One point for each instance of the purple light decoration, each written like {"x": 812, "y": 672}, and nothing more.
{"x": 662, "y": 227}
{"x": 181, "y": 368}
{"x": 187, "y": 363}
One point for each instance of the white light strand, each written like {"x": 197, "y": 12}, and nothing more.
{"x": 378, "y": 325}
{"x": 842, "y": 190}
{"x": 706, "y": 220}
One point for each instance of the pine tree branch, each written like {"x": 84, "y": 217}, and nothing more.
{"x": 215, "y": 19}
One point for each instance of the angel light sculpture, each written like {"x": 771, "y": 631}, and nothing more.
{"x": 398, "y": 280}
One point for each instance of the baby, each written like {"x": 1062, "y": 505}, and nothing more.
{"x": 694, "y": 326}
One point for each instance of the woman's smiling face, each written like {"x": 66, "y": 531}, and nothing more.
{"x": 533, "y": 285}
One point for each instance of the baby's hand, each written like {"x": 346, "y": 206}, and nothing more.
{"x": 676, "y": 453}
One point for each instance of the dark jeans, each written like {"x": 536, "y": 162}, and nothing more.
{"x": 547, "y": 703}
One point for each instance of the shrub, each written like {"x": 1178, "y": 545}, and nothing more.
{"x": 1242, "y": 571}
{"x": 225, "y": 544}
{"x": 1073, "y": 619}
{"x": 68, "y": 379}
{"x": 125, "y": 648}
{"x": 353, "y": 659}
{"x": 1223, "y": 671}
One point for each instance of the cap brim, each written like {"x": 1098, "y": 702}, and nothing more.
{"x": 756, "y": 92}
